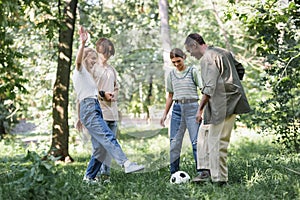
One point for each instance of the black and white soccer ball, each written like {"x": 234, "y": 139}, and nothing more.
{"x": 179, "y": 177}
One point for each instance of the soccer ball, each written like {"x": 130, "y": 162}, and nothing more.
{"x": 179, "y": 177}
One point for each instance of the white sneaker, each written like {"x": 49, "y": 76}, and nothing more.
{"x": 89, "y": 180}
{"x": 131, "y": 167}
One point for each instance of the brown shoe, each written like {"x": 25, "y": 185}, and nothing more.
{"x": 203, "y": 176}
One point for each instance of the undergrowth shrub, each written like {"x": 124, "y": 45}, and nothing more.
{"x": 31, "y": 176}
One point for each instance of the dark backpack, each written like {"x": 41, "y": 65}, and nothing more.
{"x": 240, "y": 70}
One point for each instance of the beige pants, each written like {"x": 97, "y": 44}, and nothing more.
{"x": 213, "y": 141}
{"x": 202, "y": 147}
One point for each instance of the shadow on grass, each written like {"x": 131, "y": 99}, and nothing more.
{"x": 142, "y": 133}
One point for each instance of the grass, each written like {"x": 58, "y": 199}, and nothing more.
{"x": 258, "y": 170}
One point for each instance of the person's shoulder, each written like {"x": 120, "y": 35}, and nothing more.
{"x": 216, "y": 49}
{"x": 113, "y": 68}
{"x": 219, "y": 51}
{"x": 110, "y": 67}
{"x": 172, "y": 72}
{"x": 193, "y": 67}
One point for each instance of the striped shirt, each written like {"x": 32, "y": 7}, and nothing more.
{"x": 183, "y": 84}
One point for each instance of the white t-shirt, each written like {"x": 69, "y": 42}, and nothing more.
{"x": 84, "y": 84}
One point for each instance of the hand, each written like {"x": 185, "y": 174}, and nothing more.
{"x": 114, "y": 97}
{"x": 83, "y": 34}
{"x": 109, "y": 96}
{"x": 199, "y": 116}
{"x": 79, "y": 125}
{"x": 162, "y": 121}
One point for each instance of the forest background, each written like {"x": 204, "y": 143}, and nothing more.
{"x": 38, "y": 41}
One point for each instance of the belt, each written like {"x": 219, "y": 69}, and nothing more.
{"x": 186, "y": 101}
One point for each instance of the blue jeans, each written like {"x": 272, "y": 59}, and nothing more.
{"x": 105, "y": 167}
{"x": 103, "y": 139}
{"x": 183, "y": 117}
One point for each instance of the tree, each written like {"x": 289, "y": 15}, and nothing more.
{"x": 165, "y": 34}
{"x": 12, "y": 79}
{"x": 273, "y": 30}
{"x": 60, "y": 135}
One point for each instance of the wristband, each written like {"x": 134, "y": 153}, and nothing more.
{"x": 102, "y": 93}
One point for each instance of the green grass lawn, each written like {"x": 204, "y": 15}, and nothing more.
{"x": 258, "y": 169}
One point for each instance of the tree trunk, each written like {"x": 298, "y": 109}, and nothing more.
{"x": 2, "y": 129}
{"x": 149, "y": 96}
{"x": 165, "y": 35}
{"x": 165, "y": 38}
{"x": 60, "y": 128}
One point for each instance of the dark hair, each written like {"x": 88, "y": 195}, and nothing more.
{"x": 192, "y": 38}
{"x": 176, "y": 52}
{"x": 103, "y": 46}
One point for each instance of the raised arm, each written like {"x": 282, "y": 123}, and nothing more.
{"x": 83, "y": 38}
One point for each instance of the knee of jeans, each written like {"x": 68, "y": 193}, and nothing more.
{"x": 109, "y": 136}
{"x": 172, "y": 140}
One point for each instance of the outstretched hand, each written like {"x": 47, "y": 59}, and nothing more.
{"x": 83, "y": 34}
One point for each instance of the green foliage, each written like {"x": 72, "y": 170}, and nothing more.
{"x": 11, "y": 76}
{"x": 201, "y": 20}
{"x": 22, "y": 28}
{"x": 31, "y": 177}
{"x": 273, "y": 27}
